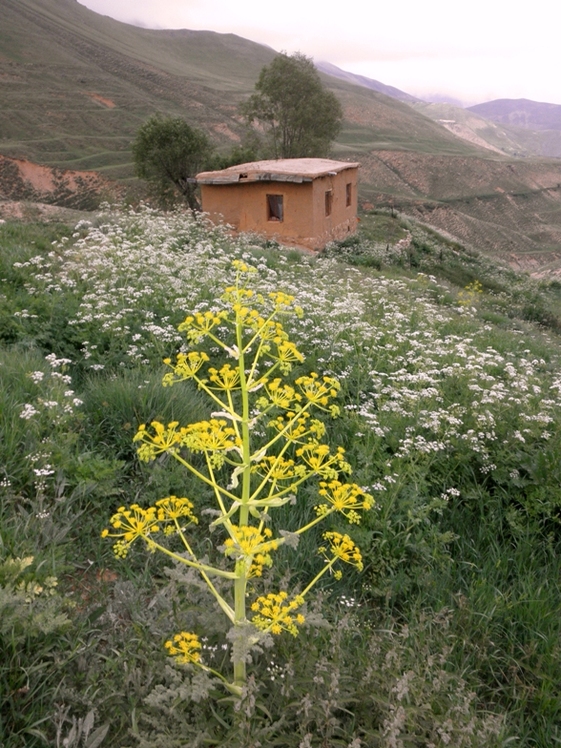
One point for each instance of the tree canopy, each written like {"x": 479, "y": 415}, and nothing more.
{"x": 302, "y": 116}
{"x": 168, "y": 152}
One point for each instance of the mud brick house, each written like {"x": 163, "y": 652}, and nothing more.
{"x": 298, "y": 201}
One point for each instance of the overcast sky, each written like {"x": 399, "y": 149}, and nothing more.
{"x": 474, "y": 51}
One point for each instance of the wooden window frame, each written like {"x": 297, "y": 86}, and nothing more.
{"x": 275, "y": 208}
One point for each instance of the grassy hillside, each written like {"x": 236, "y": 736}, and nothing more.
{"x": 75, "y": 86}
{"x": 510, "y": 209}
{"x": 450, "y": 417}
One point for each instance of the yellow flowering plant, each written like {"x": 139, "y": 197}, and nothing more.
{"x": 249, "y": 474}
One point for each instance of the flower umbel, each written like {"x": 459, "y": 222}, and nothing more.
{"x": 276, "y": 615}
{"x": 185, "y": 647}
{"x": 343, "y": 548}
{"x": 162, "y": 439}
{"x": 253, "y": 545}
{"x": 131, "y": 524}
{"x": 345, "y": 498}
{"x": 186, "y": 367}
{"x": 172, "y": 509}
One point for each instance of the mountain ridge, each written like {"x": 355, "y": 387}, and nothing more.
{"x": 522, "y": 113}
{"x": 362, "y": 80}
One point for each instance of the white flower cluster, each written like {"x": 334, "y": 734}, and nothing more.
{"x": 142, "y": 271}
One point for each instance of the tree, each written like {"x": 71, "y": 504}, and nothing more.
{"x": 168, "y": 152}
{"x": 303, "y": 117}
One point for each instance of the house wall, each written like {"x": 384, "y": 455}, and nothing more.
{"x": 342, "y": 221}
{"x": 244, "y": 206}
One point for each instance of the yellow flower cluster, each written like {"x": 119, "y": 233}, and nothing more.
{"x": 343, "y": 548}
{"x": 321, "y": 461}
{"x": 276, "y": 615}
{"x": 137, "y": 522}
{"x": 287, "y": 354}
{"x": 225, "y": 379}
{"x": 237, "y": 297}
{"x": 161, "y": 440}
{"x": 201, "y": 324}
{"x": 173, "y": 508}
{"x": 242, "y": 267}
{"x": 212, "y": 436}
{"x": 345, "y": 498}
{"x": 470, "y": 295}
{"x": 271, "y": 330}
{"x": 131, "y": 524}
{"x": 319, "y": 391}
{"x": 185, "y": 647}
{"x": 252, "y": 545}
{"x": 276, "y": 468}
{"x": 187, "y": 366}
{"x": 294, "y": 427}
{"x": 281, "y": 395}
{"x": 281, "y": 299}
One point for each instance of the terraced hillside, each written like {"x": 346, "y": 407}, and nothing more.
{"x": 75, "y": 86}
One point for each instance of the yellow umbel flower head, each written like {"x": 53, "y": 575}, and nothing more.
{"x": 161, "y": 439}
{"x": 173, "y": 508}
{"x": 287, "y": 354}
{"x": 226, "y": 378}
{"x": 186, "y": 367}
{"x": 318, "y": 391}
{"x": 185, "y": 647}
{"x": 253, "y": 545}
{"x": 131, "y": 524}
{"x": 343, "y": 548}
{"x": 345, "y": 498}
{"x": 199, "y": 325}
{"x": 276, "y": 615}
{"x": 212, "y": 437}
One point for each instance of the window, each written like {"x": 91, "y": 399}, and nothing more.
{"x": 275, "y": 210}
{"x": 349, "y": 194}
{"x": 328, "y": 202}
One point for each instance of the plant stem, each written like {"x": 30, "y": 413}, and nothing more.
{"x": 240, "y": 585}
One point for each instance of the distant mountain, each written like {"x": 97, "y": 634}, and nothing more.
{"x": 471, "y": 127}
{"x": 361, "y": 80}
{"x": 531, "y": 115}
{"x": 436, "y": 98}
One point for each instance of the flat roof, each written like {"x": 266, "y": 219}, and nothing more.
{"x": 277, "y": 170}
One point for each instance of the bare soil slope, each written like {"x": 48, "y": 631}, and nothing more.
{"x": 21, "y": 179}
{"x": 510, "y": 209}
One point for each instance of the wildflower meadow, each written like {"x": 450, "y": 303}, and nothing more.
{"x": 252, "y": 496}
